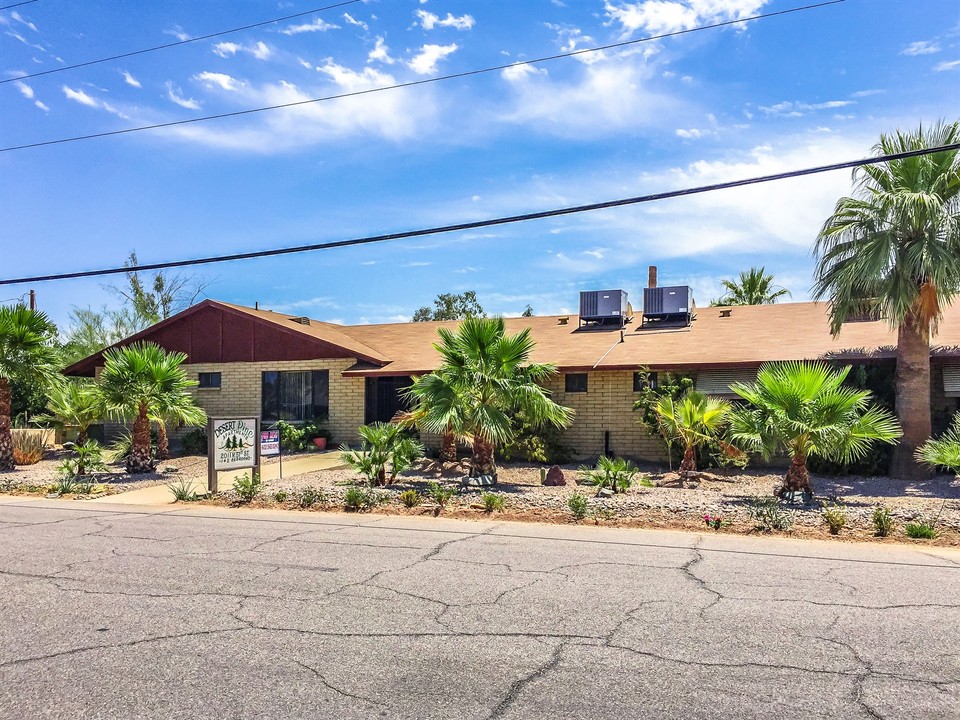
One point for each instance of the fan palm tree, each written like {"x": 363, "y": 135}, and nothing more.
{"x": 754, "y": 287}
{"x": 483, "y": 380}
{"x": 944, "y": 451}
{"x": 897, "y": 243}
{"x": 28, "y": 354}
{"x": 692, "y": 421}
{"x": 805, "y": 409}
{"x": 74, "y": 404}
{"x": 137, "y": 380}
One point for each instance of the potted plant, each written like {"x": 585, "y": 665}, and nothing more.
{"x": 316, "y": 434}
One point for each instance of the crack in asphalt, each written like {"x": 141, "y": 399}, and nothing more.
{"x": 339, "y": 691}
{"x": 517, "y": 687}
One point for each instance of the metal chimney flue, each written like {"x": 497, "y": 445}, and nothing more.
{"x": 652, "y": 276}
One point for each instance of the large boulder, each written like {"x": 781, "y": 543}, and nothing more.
{"x": 555, "y": 477}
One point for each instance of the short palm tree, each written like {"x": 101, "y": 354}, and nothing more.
{"x": 805, "y": 409}
{"x": 484, "y": 379}
{"x": 692, "y": 421}
{"x": 137, "y": 380}
{"x": 754, "y": 287}
{"x": 944, "y": 451}
{"x": 74, "y": 404}
{"x": 28, "y": 354}
{"x": 896, "y": 243}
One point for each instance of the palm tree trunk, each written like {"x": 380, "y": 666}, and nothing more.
{"x": 797, "y": 478}
{"x": 140, "y": 460}
{"x": 163, "y": 441}
{"x": 448, "y": 448}
{"x": 912, "y": 397}
{"x": 6, "y": 437}
{"x": 689, "y": 462}
{"x": 82, "y": 436}
{"x": 483, "y": 461}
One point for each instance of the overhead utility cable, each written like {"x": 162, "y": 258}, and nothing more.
{"x": 25, "y": 2}
{"x": 490, "y": 223}
{"x": 414, "y": 83}
{"x": 174, "y": 44}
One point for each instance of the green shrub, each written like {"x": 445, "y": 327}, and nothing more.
{"x": 85, "y": 458}
{"x": 492, "y": 502}
{"x": 248, "y": 486}
{"x": 534, "y": 443}
{"x": 410, "y": 498}
{"x": 882, "y": 521}
{"x": 835, "y": 517}
{"x": 280, "y": 496}
{"x": 440, "y": 494}
{"x": 119, "y": 450}
{"x": 358, "y": 499}
{"x": 769, "y": 515}
{"x": 579, "y": 506}
{"x": 182, "y": 491}
{"x": 291, "y": 436}
{"x": 309, "y": 496}
{"x": 921, "y": 530}
{"x": 614, "y": 474}
{"x": 383, "y": 447}
{"x": 194, "y": 442}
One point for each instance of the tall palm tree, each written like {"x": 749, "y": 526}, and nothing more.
{"x": 692, "y": 421}
{"x": 805, "y": 409}
{"x": 27, "y": 353}
{"x": 754, "y": 287}
{"x": 74, "y": 404}
{"x": 178, "y": 408}
{"x": 137, "y": 380}
{"x": 483, "y": 380}
{"x": 897, "y": 243}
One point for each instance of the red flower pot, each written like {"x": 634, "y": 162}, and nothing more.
{"x": 320, "y": 442}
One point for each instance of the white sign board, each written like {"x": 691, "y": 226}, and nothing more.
{"x": 234, "y": 443}
{"x": 269, "y": 442}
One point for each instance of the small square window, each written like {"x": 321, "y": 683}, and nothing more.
{"x": 644, "y": 380}
{"x": 209, "y": 379}
{"x": 576, "y": 382}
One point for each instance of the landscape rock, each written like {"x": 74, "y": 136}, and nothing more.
{"x": 555, "y": 477}
{"x": 482, "y": 481}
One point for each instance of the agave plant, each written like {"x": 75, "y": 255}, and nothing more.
{"x": 805, "y": 409}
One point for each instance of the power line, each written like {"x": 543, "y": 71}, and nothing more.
{"x": 495, "y": 221}
{"x": 425, "y": 81}
{"x": 173, "y": 44}
{"x": 25, "y": 2}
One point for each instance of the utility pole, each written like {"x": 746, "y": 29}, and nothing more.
{"x": 33, "y": 300}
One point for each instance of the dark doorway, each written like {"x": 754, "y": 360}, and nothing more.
{"x": 384, "y": 399}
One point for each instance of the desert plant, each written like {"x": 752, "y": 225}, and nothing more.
{"x": 383, "y": 446}
{"x": 943, "y": 452}
{"x": 692, "y": 421}
{"x": 579, "y": 506}
{"x": 492, "y": 502}
{"x": 440, "y": 494}
{"x": 281, "y": 496}
{"x": 410, "y": 498}
{"x": 195, "y": 442}
{"x": 65, "y": 485}
{"x": 309, "y": 496}
{"x": 769, "y": 516}
{"x": 804, "y": 408}
{"x": 182, "y": 491}
{"x": 835, "y": 516}
{"x": 716, "y": 522}
{"x": 615, "y": 474}
{"x": 248, "y": 486}
{"x": 27, "y": 448}
{"x": 882, "y": 521}
{"x": 86, "y": 458}
{"x": 74, "y": 404}
{"x": 921, "y": 530}
{"x": 358, "y": 499}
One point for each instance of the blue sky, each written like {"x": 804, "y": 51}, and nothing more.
{"x": 771, "y": 95}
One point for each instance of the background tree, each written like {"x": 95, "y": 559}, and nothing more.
{"x": 527, "y": 311}
{"x": 134, "y": 382}
{"x": 896, "y": 242}
{"x": 448, "y": 306}
{"x": 805, "y": 409}
{"x": 28, "y": 352}
{"x": 485, "y": 379}
{"x": 91, "y": 331}
{"x": 753, "y": 287}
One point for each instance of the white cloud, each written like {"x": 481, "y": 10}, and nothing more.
{"x": 665, "y": 16}
{"x": 226, "y": 49}
{"x": 921, "y": 47}
{"x": 222, "y": 80}
{"x": 306, "y": 64}
{"x": 178, "y": 33}
{"x": 428, "y": 21}
{"x": 351, "y": 20}
{"x": 941, "y": 67}
{"x": 260, "y": 50}
{"x": 318, "y": 25}
{"x": 41, "y": 105}
{"x": 80, "y": 96}
{"x": 351, "y": 80}
{"x": 799, "y": 109}
{"x": 174, "y": 95}
{"x": 691, "y": 134}
{"x": 518, "y": 73}
{"x": 598, "y": 253}
{"x": 380, "y": 53}
{"x": 425, "y": 61}
{"x": 130, "y": 79}
{"x": 24, "y": 89}
{"x": 866, "y": 93}
{"x": 20, "y": 19}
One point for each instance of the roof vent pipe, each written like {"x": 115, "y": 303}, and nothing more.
{"x": 652, "y": 276}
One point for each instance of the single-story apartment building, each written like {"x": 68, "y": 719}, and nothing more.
{"x": 251, "y": 361}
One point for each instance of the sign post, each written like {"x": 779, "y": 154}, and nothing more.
{"x": 270, "y": 445}
{"x": 232, "y": 444}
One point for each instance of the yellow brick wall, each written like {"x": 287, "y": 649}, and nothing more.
{"x": 240, "y": 388}
{"x": 607, "y": 405}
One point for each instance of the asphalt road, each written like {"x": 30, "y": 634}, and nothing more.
{"x": 208, "y": 613}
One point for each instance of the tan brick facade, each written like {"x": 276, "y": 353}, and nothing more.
{"x": 240, "y": 390}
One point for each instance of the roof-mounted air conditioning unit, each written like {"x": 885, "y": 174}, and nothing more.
{"x": 668, "y": 306}
{"x": 604, "y": 307}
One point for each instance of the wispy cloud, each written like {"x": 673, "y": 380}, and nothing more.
{"x": 867, "y": 93}
{"x": 130, "y": 79}
{"x": 318, "y": 25}
{"x": 28, "y": 93}
{"x": 221, "y": 80}
{"x": 380, "y": 53}
{"x": 260, "y": 50}
{"x": 175, "y": 95}
{"x": 79, "y": 96}
{"x": 664, "y": 16}
{"x": 950, "y": 65}
{"x": 23, "y": 21}
{"x": 425, "y": 61}
{"x": 351, "y": 20}
{"x": 799, "y": 109}
{"x": 178, "y": 33}
{"x": 428, "y": 21}
{"x": 921, "y": 47}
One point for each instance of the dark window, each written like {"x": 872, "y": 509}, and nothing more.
{"x": 384, "y": 398}
{"x": 295, "y": 396}
{"x": 642, "y": 381}
{"x": 576, "y": 382}
{"x": 209, "y": 380}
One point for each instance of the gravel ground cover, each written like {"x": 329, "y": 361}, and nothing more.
{"x": 669, "y": 504}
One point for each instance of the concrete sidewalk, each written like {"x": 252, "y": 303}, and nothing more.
{"x": 161, "y": 495}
